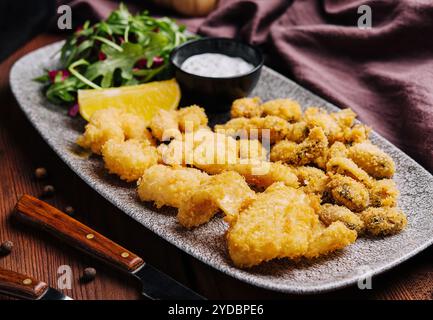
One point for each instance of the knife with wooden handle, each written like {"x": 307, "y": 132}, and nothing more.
{"x": 155, "y": 284}
{"x": 25, "y": 287}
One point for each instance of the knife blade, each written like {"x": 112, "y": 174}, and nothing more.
{"x": 21, "y": 286}
{"x": 155, "y": 284}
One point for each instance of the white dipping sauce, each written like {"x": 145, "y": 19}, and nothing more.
{"x": 215, "y": 65}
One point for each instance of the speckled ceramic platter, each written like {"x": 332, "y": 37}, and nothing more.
{"x": 207, "y": 243}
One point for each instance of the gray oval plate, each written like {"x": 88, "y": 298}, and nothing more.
{"x": 365, "y": 258}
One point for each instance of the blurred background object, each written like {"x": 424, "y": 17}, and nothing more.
{"x": 194, "y": 8}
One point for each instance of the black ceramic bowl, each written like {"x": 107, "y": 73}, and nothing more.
{"x": 216, "y": 94}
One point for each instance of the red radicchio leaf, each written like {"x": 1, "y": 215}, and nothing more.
{"x": 73, "y": 111}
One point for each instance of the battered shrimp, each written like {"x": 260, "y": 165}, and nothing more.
{"x": 246, "y": 108}
{"x": 300, "y": 154}
{"x": 164, "y": 125}
{"x": 112, "y": 124}
{"x": 284, "y": 108}
{"x": 349, "y": 192}
{"x": 330, "y": 213}
{"x": 383, "y": 193}
{"x": 269, "y": 128}
{"x": 169, "y": 186}
{"x": 128, "y": 159}
{"x": 312, "y": 180}
{"x": 227, "y": 192}
{"x": 282, "y": 223}
{"x": 373, "y": 160}
{"x": 383, "y": 221}
{"x": 191, "y": 118}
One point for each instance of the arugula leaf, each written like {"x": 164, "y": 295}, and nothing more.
{"x": 123, "y": 61}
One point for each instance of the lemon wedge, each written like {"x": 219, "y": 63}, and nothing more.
{"x": 143, "y": 100}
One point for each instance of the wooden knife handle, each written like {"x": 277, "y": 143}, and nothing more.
{"x": 40, "y": 213}
{"x": 22, "y": 286}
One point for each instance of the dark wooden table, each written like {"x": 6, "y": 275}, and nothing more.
{"x": 22, "y": 150}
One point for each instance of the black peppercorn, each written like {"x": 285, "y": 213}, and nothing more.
{"x": 48, "y": 190}
{"x": 6, "y": 247}
{"x": 69, "y": 210}
{"x": 40, "y": 173}
{"x": 89, "y": 274}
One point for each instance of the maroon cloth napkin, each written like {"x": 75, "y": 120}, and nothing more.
{"x": 384, "y": 73}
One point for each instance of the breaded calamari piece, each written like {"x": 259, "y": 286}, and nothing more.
{"x": 258, "y": 173}
{"x": 191, "y": 118}
{"x": 252, "y": 149}
{"x": 227, "y": 192}
{"x": 128, "y": 159}
{"x": 135, "y": 127}
{"x": 164, "y": 125}
{"x": 347, "y": 167}
{"x": 383, "y": 193}
{"x": 337, "y": 149}
{"x": 112, "y": 124}
{"x": 328, "y": 239}
{"x": 287, "y": 109}
{"x": 282, "y": 223}
{"x": 267, "y": 128}
{"x": 297, "y": 132}
{"x": 383, "y": 221}
{"x": 303, "y": 153}
{"x": 349, "y": 192}
{"x": 330, "y": 213}
{"x": 312, "y": 180}
{"x": 373, "y": 160}
{"x": 316, "y": 117}
{"x": 345, "y": 117}
{"x": 246, "y": 108}
{"x": 358, "y": 133}
{"x": 169, "y": 186}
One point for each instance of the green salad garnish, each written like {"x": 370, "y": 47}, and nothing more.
{"x": 124, "y": 49}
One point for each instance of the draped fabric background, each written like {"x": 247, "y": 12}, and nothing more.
{"x": 384, "y": 73}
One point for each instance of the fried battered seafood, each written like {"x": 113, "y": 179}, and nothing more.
{"x": 191, "y": 118}
{"x": 349, "y": 192}
{"x": 318, "y": 180}
{"x": 383, "y": 193}
{"x": 312, "y": 180}
{"x": 337, "y": 126}
{"x": 168, "y": 124}
{"x": 373, "y": 160}
{"x": 269, "y": 128}
{"x": 296, "y": 132}
{"x": 347, "y": 167}
{"x": 252, "y": 149}
{"x": 282, "y": 223}
{"x": 284, "y": 108}
{"x": 169, "y": 186}
{"x": 164, "y": 125}
{"x": 128, "y": 159}
{"x": 330, "y": 213}
{"x": 227, "y": 192}
{"x": 112, "y": 124}
{"x": 246, "y": 108}
{"x": 383, "y": 221}
{"x": 303, "y": 153}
